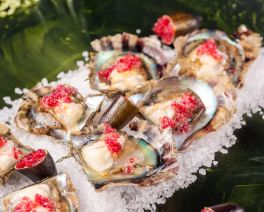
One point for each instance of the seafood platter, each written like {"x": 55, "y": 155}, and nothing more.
{"x": 136, "y": 121}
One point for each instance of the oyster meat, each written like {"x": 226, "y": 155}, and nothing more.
{"x": 11, "y": 151}
{"x": 111, "y": 157}
{"x": 56, "y": 110}
{"x": 184, "y": 105}
{"x": 124, "y": 62}
{"x": 168, "y": 27}
{"x": 55, "y": 194}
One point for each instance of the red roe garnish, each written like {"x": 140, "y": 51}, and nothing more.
{"x": 183, "y": 112}
{"x": 61, "y": 94}
{"x": 164, "y": 28}
{"x": 44, "y": 202}
{"x": 167, "y": 122}
{"x": 25, "y": 205}
{"x": 209, "y": 47}
{"x": 207, "y": 210}
{"x": 125, "y": 63}
{"x": 16, "y": 153}
{"x": 129, "y": 169}
{"x": 111, "y": 139}
{"x": 28, "y": 205}
{"x": 3, "y": 142}
{"x": 31, "y": 159}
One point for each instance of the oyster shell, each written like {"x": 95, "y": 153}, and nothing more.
{"x": 54, "y": 194}
{"x": 211, "y": 54}
{"x": 56, "y": 111}
{"x": 124, "y": 62}
{"x": 111, "y": 157}
{"x": 168, "y": 27}
{"x": 11, "y": 150}
{"x": 184, "y": 105}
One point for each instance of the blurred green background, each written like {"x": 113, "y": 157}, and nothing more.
{"x": 48, "y": 37}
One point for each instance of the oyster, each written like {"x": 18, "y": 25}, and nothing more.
{"x": 113, "y": 157}
{"x": 124, "y": 62}
{"x": 11, "y": 151}
{"x": 37, "y": 165}
{"x": 52, "y": 195}
{"x": 168, "y": 27}
{"x": 210, "y": 55}
{"x": 184, "y": 105}
{"x": 56, "y": 110}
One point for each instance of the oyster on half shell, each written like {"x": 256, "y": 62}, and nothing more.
{"x": 56, "y": 111}
{"x": 183, "y": 105}
{"x": 55, "y": 194}
{"x": 11, "y": 151}
{"x": 111, "y": 157}
{"x": 124, "y": 62}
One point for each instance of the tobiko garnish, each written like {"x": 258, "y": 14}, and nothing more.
{"x": 31, "y": 159}
{"x": 183, "y": 111}
{"x": 16, "y": 153}
{"x": 207, "y": 210}
{"x": 111, "y": 139}
{"x": 61, "y": 94}
{"x": 164, "y": 28}
{"x": 209, "y": 47}
{"x": 28, "y": 205}
{"x": 125, "y": 63}
{"x": 3, "y": 142}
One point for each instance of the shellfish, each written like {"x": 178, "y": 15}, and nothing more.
{"x": 168, "y": 27}
{"x": 184, "y": 105}
{"x": 212, "y": 56}
{"x": 113, "y": 157}
{"x": 52, "y": 195}
{"x": 124, "y": 62}
{"x": 36, "y": 165}
{"x": 56, "y": 110}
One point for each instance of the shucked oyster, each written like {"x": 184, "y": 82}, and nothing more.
{"x": 11, "y": 151}
{"x": 212, "y": 56}
{"x": 168, "y": 27}
{"x": 112, "y": 157}
{"x": 124, "y": 62}
{"x": 52, "y": 195}
{"x": 184, "y": 105}
{"x": 55, "y": 110}
{"x": 36, "y": 165}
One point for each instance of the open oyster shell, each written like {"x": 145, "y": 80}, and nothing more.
{"x": 183, "y": 105}
{"x": 111, "y": 157}
{"x": 11, "y": 151}
{"x": 56, "y": 111}
{"x": 211, "y": 54}
{"x": 54, "y": 194}
{"x": 124, "y": 62}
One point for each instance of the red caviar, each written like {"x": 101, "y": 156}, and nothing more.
{"x": 28, "y": 205}
{"x": 44, "y": 202}
{"x": 129, "y": 169}
{"x": 167, "y": 122}
{"x": 125, "y": 63}
{"x": 31, "y": 159}
{"x": 207, "y": 210}
{"x": 61, "y": 94}
{"x": 164, "y": 28}
{"x": 183, "y": 111}
{"x": 111, "y": 139}
{"x": 209, "y": 47}
{"x": 16, "y": 153}
{"x": 25, "y": 205}
{"x": 3, "y": 142}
